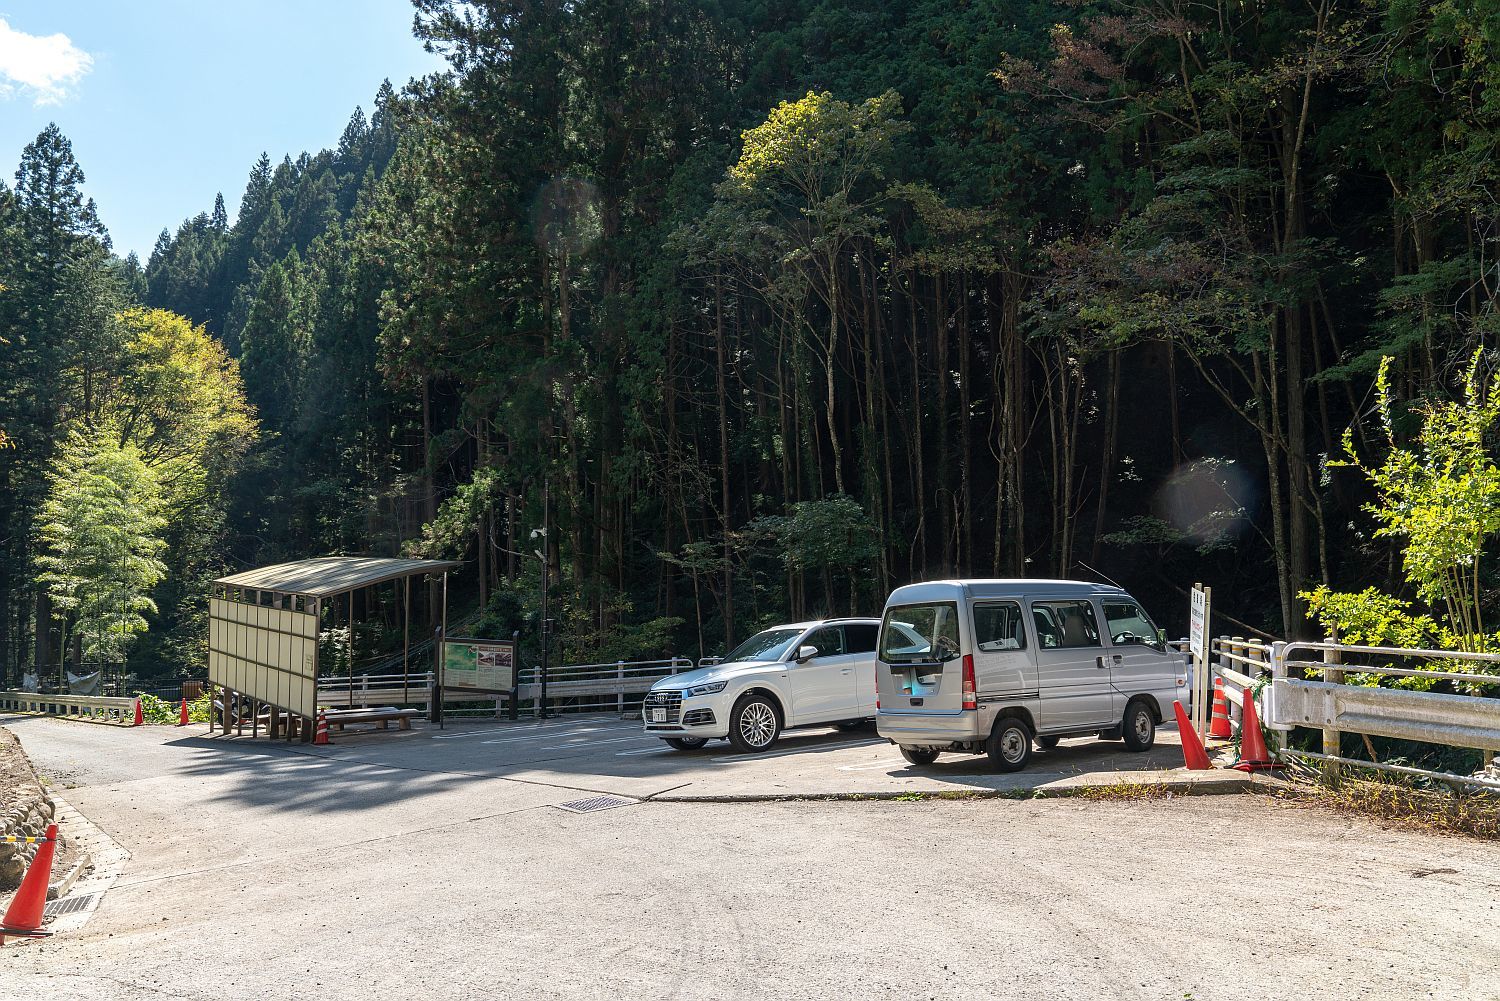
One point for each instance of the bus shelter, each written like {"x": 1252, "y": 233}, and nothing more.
{"x": 267, "y": 626}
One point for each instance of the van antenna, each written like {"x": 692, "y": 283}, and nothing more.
{"x": 1101, "y": 573}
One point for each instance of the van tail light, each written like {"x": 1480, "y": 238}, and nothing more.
{"x": 971, "y": 698}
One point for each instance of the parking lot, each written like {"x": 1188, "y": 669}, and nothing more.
{"x": 445, "y": 864}
{"x": 609, "y": 755}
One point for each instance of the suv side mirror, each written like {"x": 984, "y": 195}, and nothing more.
{"x": 806, "y": 653}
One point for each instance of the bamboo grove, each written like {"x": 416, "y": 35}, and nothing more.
{"x": 761, "y": 308}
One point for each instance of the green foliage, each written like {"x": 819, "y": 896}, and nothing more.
{"x": 160, "y": 712}
{"x": 100, "y": 532}
{"x": 1439, "y": 499}
{"x": 832, "y": 534}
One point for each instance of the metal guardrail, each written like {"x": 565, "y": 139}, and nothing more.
{"x": 570, "y": 687}
{"x": 581, "y": 687}
{"x": 376, "y": 690}
{"x": 96, "y": 707}
{"x": 1336, "y": 707}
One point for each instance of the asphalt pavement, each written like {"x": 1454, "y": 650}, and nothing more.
{"x": 412, "y": 866}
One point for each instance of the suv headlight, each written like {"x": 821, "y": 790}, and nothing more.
{"x": 712, "y": 688}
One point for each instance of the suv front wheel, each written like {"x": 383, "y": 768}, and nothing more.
{"x": 754, "y": 724}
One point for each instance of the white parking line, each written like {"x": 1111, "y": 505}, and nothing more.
{"x": 794, "y": 750}
{"x": 503, "y": 728}
{"x": 647, "y": 750}
{"x": 872, "y": 766}
{"x": 552, "y": 736}
{"x": 581, "y": 743}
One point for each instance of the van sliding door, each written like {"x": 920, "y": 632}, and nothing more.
{"x": 1073, "y": 673}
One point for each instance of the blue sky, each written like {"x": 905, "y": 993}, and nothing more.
{"x": 170, "y": 101}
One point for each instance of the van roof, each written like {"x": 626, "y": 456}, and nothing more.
{"x": 1008, "y": 587}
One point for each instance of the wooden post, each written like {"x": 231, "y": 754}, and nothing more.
{"x": 350, "y": 599}
{"x": 1237, "y": 647}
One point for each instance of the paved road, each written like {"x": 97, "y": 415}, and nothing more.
{"x": 266, "y": 871}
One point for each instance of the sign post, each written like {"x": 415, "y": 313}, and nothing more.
{"x": 1198, "y": 615}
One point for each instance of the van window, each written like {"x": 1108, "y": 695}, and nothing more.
{"x": 1129, "y": 624}
{"x": 1064, "y": 625}
{"x": 920, "y": 633}
{"x": 997, "y": 627}
{"x": 860, "y": 637}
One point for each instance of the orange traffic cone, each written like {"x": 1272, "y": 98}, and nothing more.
{"x": 1219, "y": 724}
{"x": 182, "y": 719}
{"x": 1193, "y": 754}
{"x": 320, "y": 736}
{"x": 23, "y": 918}
{"x": 1253, "y": 754}
{"x": 140, "y": 717}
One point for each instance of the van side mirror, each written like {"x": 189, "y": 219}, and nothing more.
{"x": 806, "y": 653}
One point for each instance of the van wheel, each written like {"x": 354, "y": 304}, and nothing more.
{"x": 686, "y": 743}
{"x": 1139, "y": 727}
{"x": 754, "y": 724}
{"x": 1048, "y": 742}
{"x": 919, "y": 755}
{"x": 1009, "y": 746}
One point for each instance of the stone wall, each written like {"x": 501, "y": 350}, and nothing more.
{"x": 25, "y": 809}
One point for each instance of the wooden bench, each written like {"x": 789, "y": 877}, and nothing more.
{"x": 382, "y": 715}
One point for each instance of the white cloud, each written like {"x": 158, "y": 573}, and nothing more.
{"x": 43, "y": 67}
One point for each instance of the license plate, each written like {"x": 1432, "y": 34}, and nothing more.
{"x": 658, "y": 715}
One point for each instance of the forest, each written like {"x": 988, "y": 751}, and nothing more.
{"x": 759, "y": 308}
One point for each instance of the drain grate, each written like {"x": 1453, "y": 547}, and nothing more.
{"x": 69, "y": 905}
{"x": 594, "y": 804}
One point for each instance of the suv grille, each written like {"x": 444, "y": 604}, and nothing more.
{"x": 698, "y": 717}
{"x": 670, "y": 702}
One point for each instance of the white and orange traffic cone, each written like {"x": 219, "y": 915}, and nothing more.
{"x": 1219, "y": 724}
{"x": 320, "y": 736}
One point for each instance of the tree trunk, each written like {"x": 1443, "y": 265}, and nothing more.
{"x": 724, "y": 514}
{"x": 1107, "y": 458}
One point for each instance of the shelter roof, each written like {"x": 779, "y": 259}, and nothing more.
{"x": 326, "y": 575}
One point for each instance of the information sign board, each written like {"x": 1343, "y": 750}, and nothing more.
{"x": 479, "y": 665}
{"x": 1198, "y": 624}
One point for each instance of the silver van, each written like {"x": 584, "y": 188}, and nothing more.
{"x": 989, "y": 666}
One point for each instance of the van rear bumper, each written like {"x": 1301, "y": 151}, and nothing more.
{"x": 930, "y": 729}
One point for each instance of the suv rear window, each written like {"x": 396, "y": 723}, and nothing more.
{"x": 920, "y": 633}
{"x": 859, "y": 637}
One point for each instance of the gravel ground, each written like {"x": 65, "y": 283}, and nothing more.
{"x": 386, "y": 880}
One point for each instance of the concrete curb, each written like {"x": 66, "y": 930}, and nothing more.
{"x": 59, "y": 889}
{"x": 1213, "y": 783}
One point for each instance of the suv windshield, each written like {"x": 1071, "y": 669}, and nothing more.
{"x": 772, "y": 644}
{"x": 920, "y": 633}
